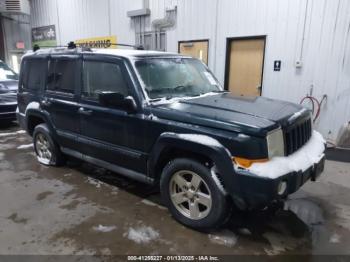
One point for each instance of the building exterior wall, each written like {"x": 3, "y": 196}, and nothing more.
{"x": 314, "y": 32}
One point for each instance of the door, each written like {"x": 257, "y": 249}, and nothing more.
{"x": 197, "y": 49}
{"x": 60, "y": 98}
{"x": 108, "y": 134}
{"x": 245, "y": 66}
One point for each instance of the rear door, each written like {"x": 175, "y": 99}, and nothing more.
{"x": 61, "y": 98}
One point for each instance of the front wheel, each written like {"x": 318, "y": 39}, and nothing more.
{"x": 47, "y": 151}
{"x": 192, "y": 195}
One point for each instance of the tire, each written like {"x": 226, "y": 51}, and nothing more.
{"x": 208, "y": 217}
{"x": 46, "y": 149}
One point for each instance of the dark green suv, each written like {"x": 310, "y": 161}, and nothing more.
{"x": 164, "y": 119}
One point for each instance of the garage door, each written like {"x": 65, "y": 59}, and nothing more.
{"x": 245, "y": 66}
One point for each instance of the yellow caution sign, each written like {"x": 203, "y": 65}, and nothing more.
{"x": 97, "y": 42}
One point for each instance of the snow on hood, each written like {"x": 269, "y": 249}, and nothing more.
{"x": 310, "y": 154}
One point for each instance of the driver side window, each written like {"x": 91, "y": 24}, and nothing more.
{"x": 100, "y": 77}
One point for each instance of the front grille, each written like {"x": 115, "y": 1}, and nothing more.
{"x": 297, "y": 136}
{"x": 8, "y": 108}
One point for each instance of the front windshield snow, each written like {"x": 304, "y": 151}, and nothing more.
{"x": 175, "y": 77}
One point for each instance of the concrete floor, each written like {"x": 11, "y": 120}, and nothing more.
{"x": 83, "y": 209}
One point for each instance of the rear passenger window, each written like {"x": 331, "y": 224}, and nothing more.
{"x": 63, "y": 75}
{"x": 34, "y": 73}
{"x": 103, "y": 76}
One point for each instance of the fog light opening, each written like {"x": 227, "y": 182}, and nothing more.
{"x": 282, "y": 188}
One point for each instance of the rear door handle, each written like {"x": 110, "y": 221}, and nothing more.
{"x": 84, "y": 111}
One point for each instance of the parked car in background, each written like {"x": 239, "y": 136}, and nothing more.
{"x": 8, "y": 93}
{"x": 164, "y": 119}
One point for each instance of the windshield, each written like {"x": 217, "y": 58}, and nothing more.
{"x": 176, "y": 77}
{"x": 6, "y": 73}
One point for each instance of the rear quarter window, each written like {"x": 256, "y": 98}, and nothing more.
{"x": 33, "y": 74}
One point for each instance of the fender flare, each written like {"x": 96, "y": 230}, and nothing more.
{"x": 37, "y": 112}
{"x": 200, "y": 144}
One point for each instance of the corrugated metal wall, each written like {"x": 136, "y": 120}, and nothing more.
{"x": 316, "y": 32}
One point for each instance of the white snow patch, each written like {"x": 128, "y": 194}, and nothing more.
{"x": 150, "y": 203}
{"x": 13, "y": 133}
{"x": 104, "y": 229}
{"x": 296, "y": 115}
{"x": 202, "y": 139}
{"x": 25, "y": 146}
{"x": 217, "y": 180}
{"x": 177, "y": 99}
{"x": 311, "y": 153}
{"x": 244, "y": 231}
{"x": 225, "y": 238}
{"x": 43, "y": 160}
{"x": 243, "y": 136}
{"x": 142, "y": 235}
{"x": 32, "y": 105}
{"x": 94, "y": 182}
{"x": 335, "y": 238}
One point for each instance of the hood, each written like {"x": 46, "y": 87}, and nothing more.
{"x": 254, "y": 115}
{"x": 8, "y": 86}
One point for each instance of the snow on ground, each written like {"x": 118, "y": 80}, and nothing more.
{"x": 104, "y": 229}
{"x": 225, "y": 237}
{"x": 335, "y": 238}
{"x": 13, "y": 133}
{"x": 150, "y": 203}
{"x": 142, "y": 234}
{"x": 25, "y": 146}
{"x": 94, "y": 182}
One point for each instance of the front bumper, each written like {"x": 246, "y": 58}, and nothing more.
{"x": 8, "y": 111}
{"x": 259, "y": 192}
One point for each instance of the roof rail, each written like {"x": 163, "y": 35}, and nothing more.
{"x": 72, "y": 45}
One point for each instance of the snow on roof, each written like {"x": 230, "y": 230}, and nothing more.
{"x": 128, "y": 53}
{"x": 132, "y": 53}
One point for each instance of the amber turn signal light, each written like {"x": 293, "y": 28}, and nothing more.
{"x": 244, "y": 162}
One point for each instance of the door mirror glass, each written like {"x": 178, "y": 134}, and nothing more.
{"x": 117, "y": 100}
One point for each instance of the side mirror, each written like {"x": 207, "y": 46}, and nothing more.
{"x": 117, "y": 100}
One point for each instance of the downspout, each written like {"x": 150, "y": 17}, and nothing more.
{"x": 216, "y": 32}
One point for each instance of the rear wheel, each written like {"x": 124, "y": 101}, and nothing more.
{"x": 47, "y": 151}
{"x": 192, "y": 196}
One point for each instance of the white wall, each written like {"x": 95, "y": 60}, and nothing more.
{"x": 323, "y": 38}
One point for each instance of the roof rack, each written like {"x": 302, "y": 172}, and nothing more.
{"x": 72, "y": 45}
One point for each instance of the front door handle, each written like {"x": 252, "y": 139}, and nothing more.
{"x": 46, "y": 102}
{"x": 84, "y": 111}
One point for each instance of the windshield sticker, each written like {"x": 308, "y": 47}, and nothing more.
{"x": 210, "y": 78}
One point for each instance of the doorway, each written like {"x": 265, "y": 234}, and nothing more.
{"x": 244, "y": 65}
{"x": 196, "y": 48}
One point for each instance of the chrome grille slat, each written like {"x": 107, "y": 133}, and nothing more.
{"x": 297, "y": 136}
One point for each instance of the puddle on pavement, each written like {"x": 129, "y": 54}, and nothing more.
{"x": 133, "y": 220}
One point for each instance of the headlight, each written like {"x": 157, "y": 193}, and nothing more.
{"x": 275, "y": 143}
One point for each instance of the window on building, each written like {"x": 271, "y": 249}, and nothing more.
{"x": 62, "y": 75}
{"x": 34, "y": 73}
{"x": 101, "y": 77}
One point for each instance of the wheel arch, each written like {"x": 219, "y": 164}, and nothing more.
{"x": 172, "y": 145}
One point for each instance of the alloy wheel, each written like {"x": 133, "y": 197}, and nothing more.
{"x": 190, "y": 194}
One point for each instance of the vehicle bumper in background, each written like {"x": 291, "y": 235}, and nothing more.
{"x": 8, "y": 111}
